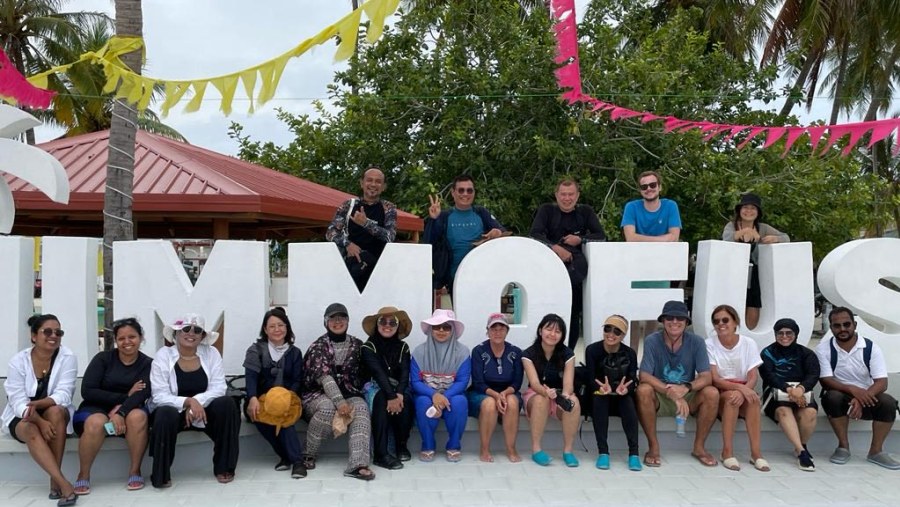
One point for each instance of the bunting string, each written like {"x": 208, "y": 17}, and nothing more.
{"x": 260, "y": 80}
{"x": 15, "y": 89}
{"x": 568, "y": 77}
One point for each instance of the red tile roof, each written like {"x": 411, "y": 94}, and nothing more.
{"x": 174, "y": 177}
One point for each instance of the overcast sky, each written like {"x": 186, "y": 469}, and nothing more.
{"x": 204, "y": 38}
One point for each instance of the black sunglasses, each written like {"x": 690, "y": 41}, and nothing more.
{"x": 723, "y": 320}
{"x": 50, "y": 332}
{"x": 465, "y": 190}
{"x": 442, "y": 327}
{"x": 647, "y": 186}
{"x": 842, "y": 325}
{"x": 387, "y": 322}
{"x": 612, "y": 329}
{"x": 192, "y": 329}
{"x": 673, "y": 317}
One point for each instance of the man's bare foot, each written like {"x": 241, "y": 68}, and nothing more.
{"x": 513, "y": 456}
{"x": 486, "y": 456}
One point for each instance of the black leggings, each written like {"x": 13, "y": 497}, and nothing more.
{"x": 836, "y": 404}
{"x": 383, "y": 423}
{"x": 610, "y": 405}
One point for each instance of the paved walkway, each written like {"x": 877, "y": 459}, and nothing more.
{"x": 680, "y": 481}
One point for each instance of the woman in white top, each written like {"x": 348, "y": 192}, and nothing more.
{"x": 187, "y": 383}
{"x": 734, "y": 361}
{"x": 39, "y": 387}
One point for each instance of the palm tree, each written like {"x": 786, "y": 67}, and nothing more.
{"x": 28, "y": 28}
{"x": 117, "y": 203}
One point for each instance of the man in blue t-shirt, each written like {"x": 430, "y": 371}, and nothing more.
{"x": 458, "y": 228}
{"x": 676, "y": 380}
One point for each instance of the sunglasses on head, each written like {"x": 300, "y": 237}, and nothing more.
{"x": 50, "y": 332}
{"x": 442, "y": 327}
{"x": 842, "y": 325}
{"x": 612, "y": 329}
{"x": 647, "y": 186}
{"x": 465, "y": 190}
{"x": 670, "y": 318}
{"x": 388, "y": 322}
{"x": 192, "y": 329}
{"x": 723, "y": 320}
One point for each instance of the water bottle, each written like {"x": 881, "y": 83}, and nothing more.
{"x": 679, "y": 426}
{"x": 517, "y": 304}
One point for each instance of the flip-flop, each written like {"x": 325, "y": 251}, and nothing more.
{"x": 732, "y": 463}
{"x": 55, "y": 494}
{"x": 82, "y": 487}
{"x": 67, "y": 501}
{"x": 426, "y": 456}
{"x": 225, "y": 478}
{"x": 357, "y": 473}
{"x": 454, "y": 455}
{"x": 705, "y": 459}
{"x": 760, "y": 464}
{"x": 652, "y": 461}
{"x": 135, "y": 482}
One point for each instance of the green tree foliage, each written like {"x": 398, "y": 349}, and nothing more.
{"x": 469, "y": 87}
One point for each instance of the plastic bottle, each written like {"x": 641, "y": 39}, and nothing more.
{"x": 679, "y": 426}
{"x": 517, "y": 304}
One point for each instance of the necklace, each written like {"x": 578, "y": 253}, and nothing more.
{"x": 187, "y": 358}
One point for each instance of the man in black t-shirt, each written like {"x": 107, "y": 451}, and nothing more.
{"x": 363, "y": 226}
{"x": 564, "y": 227}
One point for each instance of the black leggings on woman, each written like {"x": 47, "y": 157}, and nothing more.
{"x": 609, "y": 405}
{"x": 383, "y": 423}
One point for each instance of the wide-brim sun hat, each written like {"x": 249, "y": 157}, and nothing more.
{"x": 441, "y": 316}
{"x": 370, "y": 323}
{"x": 675, "y": 309}
{"x": 279, "y": 407}
{"x": 190, "y": 319}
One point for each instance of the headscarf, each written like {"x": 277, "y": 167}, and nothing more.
{"x": 439, "y": 361}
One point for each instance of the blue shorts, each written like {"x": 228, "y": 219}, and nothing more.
{"x": 475, "y": 399}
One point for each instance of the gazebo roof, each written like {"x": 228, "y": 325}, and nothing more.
{"x": 182, "y": 191}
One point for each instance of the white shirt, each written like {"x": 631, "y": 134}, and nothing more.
{"x": 164, "y": 383}
{"x": 850, "y": 367}
{"x": 21, "y": 384}
{"x": 734, "y": 363}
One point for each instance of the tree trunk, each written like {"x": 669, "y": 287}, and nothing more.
{"x": 117, "y": 203}
{"x": 795, "y": 96}
{"x": 839, "y": 82}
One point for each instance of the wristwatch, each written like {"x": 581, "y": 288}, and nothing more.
{"x": 689, "y": 386}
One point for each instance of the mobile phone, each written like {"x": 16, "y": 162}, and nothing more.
{"x": 110, "y": 428}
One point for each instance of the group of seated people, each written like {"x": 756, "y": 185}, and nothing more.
{"x": 375, "y": 390}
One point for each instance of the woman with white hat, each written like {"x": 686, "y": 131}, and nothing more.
{"x": 187, "y": 385}
{"x": 439, "y": 372}
{"x": 386, "y": 358}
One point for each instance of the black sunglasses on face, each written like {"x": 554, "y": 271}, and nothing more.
{"x": 647, "y": 186}
{"x": 192, "y": 329}
{"x": 842, "y": 325}
{"x": 723, "y": 320}
{"x": 672, "y": 317}
{"x": 614, "y": 330}
{"x": 442, "y": 327}
{"x": 50, "y": 332}
{"x": 465, "y": 190}
{"x": 387, "y": 322}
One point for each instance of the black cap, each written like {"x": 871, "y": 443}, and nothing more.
{"x": 787, "y": 323}
{"x": 336, "y": 309}
{"x": 675, "y": 309}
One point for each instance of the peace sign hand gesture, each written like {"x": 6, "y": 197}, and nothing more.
{"x": 622, "y": 388}
{"x": 435, "y": 209}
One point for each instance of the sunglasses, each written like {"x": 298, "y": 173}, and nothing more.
{"x": 388, "y": 322}
{"x": 192, "y": 329}
{"x": 339, "y": 318}
{"x": 723, "y": 320}
{"x": 647, "y": 186}
{"x": 842, "y": 325}
{"x": 442, "y": 327}
{"x": 612, "y": 329}
{"x": 785, "y": 333}
{"x": 669, "y": 318}
{"x": 465, "y": 190}
{"x": 50, "y": 332}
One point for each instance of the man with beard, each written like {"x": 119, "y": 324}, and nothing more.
{"x": 362, "y": 227}
{"x": 854, "y": 384}
{"x": 564, "y": 227}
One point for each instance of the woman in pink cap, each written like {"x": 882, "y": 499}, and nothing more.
{"x": 439, "y": 373}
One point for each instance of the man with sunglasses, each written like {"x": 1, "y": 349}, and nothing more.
{"x": 453, "y": 233}
{"x": 564, "y": 227}
{"x": 676, "y": 380}
{"x": 854, "y": 381}
{"x": 363, "y": 226}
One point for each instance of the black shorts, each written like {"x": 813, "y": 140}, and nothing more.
{"x": 773, "y": 405}
{"x": 12, "y": 428}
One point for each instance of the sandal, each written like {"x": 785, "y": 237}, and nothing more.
{"x": 55, "y": 494}
{"x": 731, "y": 464}
{"x": 309, "y": 462}
{"x": 652, "y": 461}
{"x": 83, "y": 487}
{"x": 67, "y": 501}
{"x": 760, "y": 464}
{"x": 362, "y": 473}
{"x": 135, "y": 482}
{"x": 225, "y": 478}
{"x": 426, "y": 456}
{"x": 454, "y": 455}
{"x": 705, "y": 459}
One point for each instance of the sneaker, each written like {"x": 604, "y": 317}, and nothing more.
{"x": 805, "y": 448}
{"x": 840, "y": 456}
{"x": 298, "y": 471}
{"x": 403, "y": 453}
{"x": 805, "y": 461}
{"x": 282, "y": 466}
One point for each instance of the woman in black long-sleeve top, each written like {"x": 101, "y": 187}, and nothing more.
{"x": 613, "y": 366}
{"x": 272, "y": 361}
{"x": 115, "y": 389}
{"x": 793, "y": 369}
{"x": 386, "y": 358}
